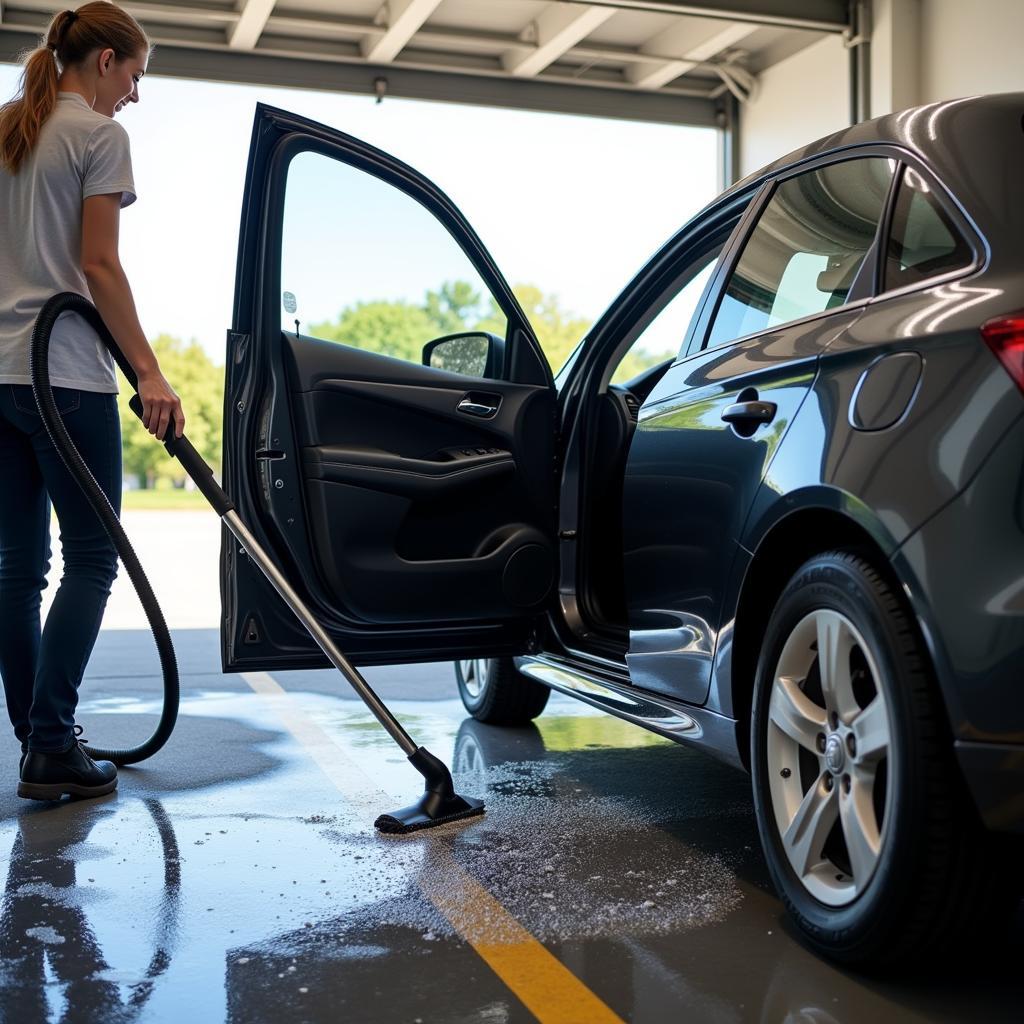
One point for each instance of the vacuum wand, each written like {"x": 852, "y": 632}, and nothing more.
{"x": 439, "y": 803}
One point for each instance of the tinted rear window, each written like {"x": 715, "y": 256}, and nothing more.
{"x": 923, "y": 240}
{"x": 806, "y": 249}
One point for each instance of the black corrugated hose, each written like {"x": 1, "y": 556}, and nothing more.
{"x": 39, "y": 364}
{"x": 439, "y": 803}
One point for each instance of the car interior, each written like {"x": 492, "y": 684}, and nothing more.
{"x": 428, "y": 498}
{"x": 614, "y": 408}
{"x": 616, "y": 419}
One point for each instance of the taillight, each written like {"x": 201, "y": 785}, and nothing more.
{"x": 1005, "y": 336}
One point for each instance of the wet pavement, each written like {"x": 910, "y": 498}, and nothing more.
{"x": 236, "y": 876}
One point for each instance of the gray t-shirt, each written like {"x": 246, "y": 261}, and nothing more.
{"x": 79, "y": 153}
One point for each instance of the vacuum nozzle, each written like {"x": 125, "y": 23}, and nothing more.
{"x": 438, "y": 805}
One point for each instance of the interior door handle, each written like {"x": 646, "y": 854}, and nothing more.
{"x": 747, "y": 413}
{"x": 475, "y": 407}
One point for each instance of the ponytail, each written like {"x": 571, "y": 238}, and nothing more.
{"x": 70, "y": 39}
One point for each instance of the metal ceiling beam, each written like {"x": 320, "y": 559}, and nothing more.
{"x": 821, "y": 15}
{"x": 252, "y": 19}
{"x": 404, "y": 18}
{"x": 187, "y": 25}
{"x": 685, "y": 45}
{"x": 439, "y": 39}
{"x": 538, "y": 94}
{"x": 165, "y": 12}
{"x": 557, "y": 30}
{"x": 341, "y": 43}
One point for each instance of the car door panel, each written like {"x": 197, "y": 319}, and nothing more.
{"x": 416, "y": 509}
{"x": 797, "y": 278}
{"x": 412, "y": 508}
{"x": 691, "y": 479}
{"x": 397, "y": 474}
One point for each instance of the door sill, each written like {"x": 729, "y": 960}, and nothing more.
{"x": 578, "y": 635}
{"x": 665, "y": 716}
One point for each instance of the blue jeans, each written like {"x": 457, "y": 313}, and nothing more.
{"x": 42, "y": 669}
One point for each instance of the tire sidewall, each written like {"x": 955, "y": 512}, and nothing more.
{"x": 475, "y": 704}
{"x": 840, "y": 583}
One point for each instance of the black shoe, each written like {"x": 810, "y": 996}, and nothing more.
{"x": 50, "y": 776}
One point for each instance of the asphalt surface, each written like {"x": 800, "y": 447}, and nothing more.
{"x": 236, "y": 876}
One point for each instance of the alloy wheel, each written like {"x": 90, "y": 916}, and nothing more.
{"x": 828, "y": 753}
{"x": 474, "y": 675}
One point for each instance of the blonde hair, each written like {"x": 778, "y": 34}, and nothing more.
{"x": 70, "y": 39}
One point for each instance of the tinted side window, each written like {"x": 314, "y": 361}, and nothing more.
{"x": 365, "y": 265}
{"x": 806, "y": 248}
{"x": 923, "y": 241}
{"x": 662, "y": 337}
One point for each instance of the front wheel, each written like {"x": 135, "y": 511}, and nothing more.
{"x": 862, "y": 813}
{"x": 493, "y": 690}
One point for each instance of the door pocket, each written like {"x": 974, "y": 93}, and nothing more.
{"x": 354, "y": 531}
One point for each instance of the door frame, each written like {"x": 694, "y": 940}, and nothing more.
{"x": 254, "y": 368}
{"x": 578, "y": 630}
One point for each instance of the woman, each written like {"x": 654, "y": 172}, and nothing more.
{"x": 65, "y": 174}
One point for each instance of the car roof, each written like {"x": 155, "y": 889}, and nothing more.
{"x": 969, "y": 143}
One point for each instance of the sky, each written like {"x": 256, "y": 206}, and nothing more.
{"x": 572, "y": 204}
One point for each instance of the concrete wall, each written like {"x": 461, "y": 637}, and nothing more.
{"x": 895, "y": 55}
{"x": 969, "y": 47}
{"x": 921, "y": 51}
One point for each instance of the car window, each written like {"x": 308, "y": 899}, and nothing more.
{"x": 803, "y": 255}
{"x": 664, "y": 336}
{"x": 364, "y": 265}
{"x": 923, "y": 241}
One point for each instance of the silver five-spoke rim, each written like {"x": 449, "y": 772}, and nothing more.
{"x": 474, "y": 675}
{"x": 828, "y": 760}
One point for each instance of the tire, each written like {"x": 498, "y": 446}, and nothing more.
{"x": 493, "y": 690}
{"x": 872, "y": 842}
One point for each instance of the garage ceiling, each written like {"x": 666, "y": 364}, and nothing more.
{"x": 659, "y": 60}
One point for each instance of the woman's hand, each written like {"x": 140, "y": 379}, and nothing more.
{"x": 159, "y": 404}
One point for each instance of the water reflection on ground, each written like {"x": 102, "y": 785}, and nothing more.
{"x": 271, "y": 898}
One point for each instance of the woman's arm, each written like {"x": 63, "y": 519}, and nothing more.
{"x": 112, "y": 295}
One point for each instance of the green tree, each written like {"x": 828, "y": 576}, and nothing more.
{"x": 397, "y": 329}
{"x": 200, "y": 383}
{"x": 558, "y": 330}
{"x": 635, "y": 361}
{"x": 402, "y": 328}
{"x": 454, "y": 307}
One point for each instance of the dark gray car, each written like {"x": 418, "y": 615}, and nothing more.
{"x": 798, "y": 544}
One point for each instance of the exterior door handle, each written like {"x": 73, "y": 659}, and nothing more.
{"x": 476, "y": 408}
{"x": 749, "y": 413}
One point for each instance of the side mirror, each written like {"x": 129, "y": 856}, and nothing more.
{"x": 472, "y": 353}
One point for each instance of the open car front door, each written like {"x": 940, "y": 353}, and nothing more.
{"x": 388, "y": 417}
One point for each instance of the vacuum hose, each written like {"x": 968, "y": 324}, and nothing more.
{"x": 39, "y": 368}
{"x": 439, "y": 803}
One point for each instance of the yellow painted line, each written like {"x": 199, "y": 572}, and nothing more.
{"x": 548, "y": 989}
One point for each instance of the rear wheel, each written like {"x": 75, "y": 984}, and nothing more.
{"x": 863, "y": 816}
{"x": 493, "y": 690}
